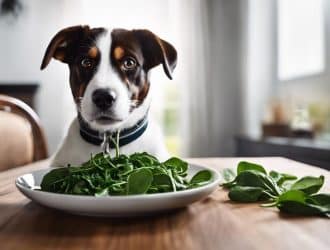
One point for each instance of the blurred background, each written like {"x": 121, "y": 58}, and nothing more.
{"x": 252, "y": 78}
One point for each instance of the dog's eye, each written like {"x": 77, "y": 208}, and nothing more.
{"x": 86, "y": 63}
{"x": 129, "y": 63}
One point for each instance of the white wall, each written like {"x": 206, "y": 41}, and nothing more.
{"x": 23, "y": 42}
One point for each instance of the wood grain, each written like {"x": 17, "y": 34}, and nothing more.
{"x": 213, "y": 223}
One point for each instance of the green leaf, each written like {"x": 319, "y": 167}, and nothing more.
{"x": 253, "y": 178}
{"x": 309, "y": 184}
{"x": 137, "y": 163}
{"x": 292, "y": 195}
{"x": 320, "y": 199}
{"x": 274, "y": 175}
{"x": 161, "y": 179}
{"x": 99, "y": 156}
{"x": 244, "y": 165}
{"x": 178, "y": 164}
{"x": 121, "y": 159}
{"x": 245, "y": 194}
{"x": 139, "y": 181}
{"x": 148, "y": 159}
{"x": 153, "y": 158}
{"x": 201, "y": 177}
{"x": 300, "y": 208}
{"x": 280, "y": 178}
{"x": 300, "y": 203}
{"x": 228, "y": 175}
{"x": 250, "y": 178}
{"x": 53, "y": 177}
{"x": 125, "y": 169}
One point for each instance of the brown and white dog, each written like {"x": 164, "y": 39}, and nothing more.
{"x": 109, "y": 79}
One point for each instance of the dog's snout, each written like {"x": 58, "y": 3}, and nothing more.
{"x": 103, "y": 98}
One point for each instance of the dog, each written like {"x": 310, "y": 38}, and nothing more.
{"x": 109, "y": 80}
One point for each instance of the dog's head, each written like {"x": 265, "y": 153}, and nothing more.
{"x": 109, "y": 70}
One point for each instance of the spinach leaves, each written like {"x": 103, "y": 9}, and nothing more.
{"x": 284, "y": 191}
{"x": 139, "y": 173}
{"x": 139, "y": 181}
{"x": 245, "y": 194}
{"x": 309, "y": 184}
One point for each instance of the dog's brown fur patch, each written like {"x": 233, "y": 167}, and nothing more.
{"x": 143, "y": 91}
{"x": 118, "y": 53}
{"x": 93, "y": 52}
{"x": 59, "y": 55}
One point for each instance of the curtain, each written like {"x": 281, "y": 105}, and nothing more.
{"x": 209, "y": 74}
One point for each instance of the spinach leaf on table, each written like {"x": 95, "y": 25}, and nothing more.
{"x": 245, "y": 193}
{"x": 298, "y": 202}
{"x": 280, "y": 178}
{"x": 244, "y": 166}
{"x": 231, "y": 177}
{"x": 320, "y": 199}
{"x": 255, "y": 178}
{"x": 253, "y": 184}
{"x": 228, "y": 175}
{"x": 309, "y": 184}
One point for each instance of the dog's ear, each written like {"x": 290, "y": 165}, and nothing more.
{"x": 156, "y": 51}
{"x": 62, "y": 43}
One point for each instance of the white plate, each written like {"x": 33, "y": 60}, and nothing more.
{"x": 115, "y": 206}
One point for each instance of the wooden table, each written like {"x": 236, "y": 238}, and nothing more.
{"x": 214, "y": 223}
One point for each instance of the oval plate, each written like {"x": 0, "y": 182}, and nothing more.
{"x": 115, "y": 206}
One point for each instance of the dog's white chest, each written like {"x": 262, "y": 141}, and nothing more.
{"x": 75, "y": 150}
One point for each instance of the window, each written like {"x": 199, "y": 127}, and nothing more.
{"x": 301, "y": 50}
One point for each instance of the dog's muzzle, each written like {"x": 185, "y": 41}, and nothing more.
{"x": 104, "y": 98}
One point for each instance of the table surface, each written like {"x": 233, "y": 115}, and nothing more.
{"x": 213, "y": 223}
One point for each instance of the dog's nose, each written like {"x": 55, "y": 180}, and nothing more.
{"x": 103, "y": 98}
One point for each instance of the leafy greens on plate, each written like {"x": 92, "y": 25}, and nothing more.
{"x": 139, "y": 173}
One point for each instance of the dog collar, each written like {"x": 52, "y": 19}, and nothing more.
{"x": 126, "y": 135}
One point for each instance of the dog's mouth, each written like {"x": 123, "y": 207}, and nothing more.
{"x": 106, "y": 119}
